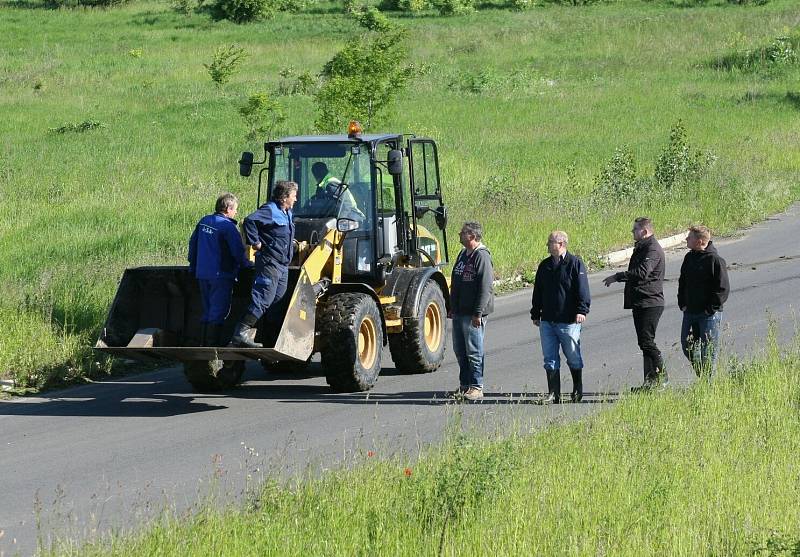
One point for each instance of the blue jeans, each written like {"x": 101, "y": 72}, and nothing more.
{"x": 567, "y": 336}
{"x": 468, "y": 346}
{"x": 700, "y": 340}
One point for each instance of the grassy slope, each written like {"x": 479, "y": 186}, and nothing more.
{"x": 711, "y": 470}
{"x": 534, "y": 101}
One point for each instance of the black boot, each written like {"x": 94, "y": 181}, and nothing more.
{"x": 553, "y": 387}
{"x": 245, "y": 332}
{"x": 577, "y": 384}
{"x": 213, "y": 333}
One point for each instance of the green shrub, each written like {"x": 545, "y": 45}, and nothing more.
{"x": 262, "y": 115}
{"x": 294, "y": 83}
{"x": 618, "y": 178}
{"x": 455, "y": 7}
{"x": 363, "y": 78}
{"x": 679, "y": 162}
{"x": 86, "y": 3}
{"x": 245, "y": 11}
{"x": 779, "y": 54}
{"x": 225, "y": 63}
{"x": 80, "y": 127}
{"x": 412, "y": 6}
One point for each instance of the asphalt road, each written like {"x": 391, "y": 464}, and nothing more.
{"x": 113, "y": 454}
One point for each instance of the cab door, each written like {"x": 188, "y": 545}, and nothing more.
{"x": 429, "y": 213}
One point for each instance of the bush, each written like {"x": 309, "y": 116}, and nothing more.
{"x": 245, "y": 11}
{"x": 781, "y": 53}
{"x": 405, "y": 5}
{"x": 364, "y": 77}
{"x": 679, "y": 162}
{"x": 455, "y": 7}
{"x": 618, "y": 177}
{"x": 225, "y": 63}
{"x": 262, "y": 115}
{"x": 80, "y": 127}
{"x": 86, "y": 3}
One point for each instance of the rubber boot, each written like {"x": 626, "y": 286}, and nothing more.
{"x": 553, "y": 387}
{"x": 213, "y": 333}
{"x": 577, "y": 384}
{"x": 245, "y": 332}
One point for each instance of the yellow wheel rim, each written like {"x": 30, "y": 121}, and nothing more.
{"x": 433, "y": 327}
{"x": 367, "y": 343}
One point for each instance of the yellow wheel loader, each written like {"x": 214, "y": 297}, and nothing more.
{"x": 367, "y": 271}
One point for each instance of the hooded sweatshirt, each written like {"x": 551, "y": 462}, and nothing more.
{"x": 471, "y": 283}
{"x": 703, "y": 286}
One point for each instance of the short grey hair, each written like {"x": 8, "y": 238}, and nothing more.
{"x": 473, "y": 228}
{"x": 559, "y": 236}
{"x": 282, "y": 190}
{"x": 226, "y": 201}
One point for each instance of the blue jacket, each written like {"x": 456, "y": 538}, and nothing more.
{"x": 560, "y": 291}
{"x": 274, "y": 229}
{"x": 216, "y": 250}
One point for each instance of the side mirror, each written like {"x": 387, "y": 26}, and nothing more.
{"x": 246, "y": 164}
{"x": 395, "y": 160}
{"x": 420, "y": 210}
{"x": 346, "y": 225}
{"x": 441, "y": 217}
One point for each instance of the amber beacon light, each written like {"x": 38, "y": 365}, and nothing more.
{"x": 354, "y": 128}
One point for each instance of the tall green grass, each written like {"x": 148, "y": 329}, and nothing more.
{"x": 527, "y": 108}
{"x": 707, "y": 470}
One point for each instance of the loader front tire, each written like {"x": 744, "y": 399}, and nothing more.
{"x": 350, "y": 324}
{"x": 419, "y": 348}
{"x": 210, "y": 376}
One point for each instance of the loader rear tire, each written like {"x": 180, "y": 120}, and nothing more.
{"x": 420, "y": 347}
{"x": 210, "y": 376}
{"x": 352, "y": 340}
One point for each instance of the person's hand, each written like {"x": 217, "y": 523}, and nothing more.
{"x": 537, "y": 322}
{"x": 257, "y": 247}
{"x": 450, "y": 314}
{"x": 608, "y": 281}
{"x": 476, "y": 321}
{"x": 580, "y": 318}
{"x": 682, "y": 308}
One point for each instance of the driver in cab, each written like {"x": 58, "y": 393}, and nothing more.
{"x": 330, "y": 190}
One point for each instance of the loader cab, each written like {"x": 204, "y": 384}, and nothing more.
{"x": 400, "y": 216}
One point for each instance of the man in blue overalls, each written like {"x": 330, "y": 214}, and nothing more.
{"x": 216, "y": 253}
{"x": 270, "y": 231}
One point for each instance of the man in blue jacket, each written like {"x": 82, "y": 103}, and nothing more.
{"x": 559, "y": 307}
{"x": 216, "y": 253}
{"x": 270, "y": 231}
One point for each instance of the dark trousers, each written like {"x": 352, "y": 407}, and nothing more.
{"x": 216, "y": 296}
{"x": 645, "y": 320}
{"x": 269, "y": 286}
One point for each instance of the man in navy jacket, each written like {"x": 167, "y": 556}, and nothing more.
{"x": 270, "y": 231}
{"x": 559, "y": 307}
{"x": 216, "y": 253}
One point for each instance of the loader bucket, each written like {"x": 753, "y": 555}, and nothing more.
{"x": 156, "y": 315}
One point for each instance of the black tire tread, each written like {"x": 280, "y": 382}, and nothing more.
{"x": 336, "y": 323}
{"x": 409, "y": 353}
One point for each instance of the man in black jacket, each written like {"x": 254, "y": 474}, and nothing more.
{"x": 559, "y": 307}
{"x": 644, "y": 294}
{"x": 703, "y": 288}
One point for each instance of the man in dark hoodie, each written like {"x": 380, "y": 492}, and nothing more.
{"x": 471, "y": 300}
{"x": 559, "y": 307}
{"x": 644, "y": 294}
{"x": 703, "y": 288}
